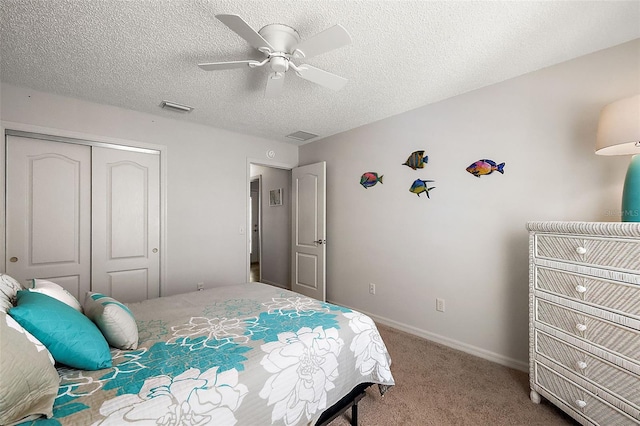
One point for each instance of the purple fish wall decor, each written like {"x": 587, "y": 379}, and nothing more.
{"x": 419, "y": 186}
{"x": 369, "y": 179}
{"x": 485, "y": 167}
{"x": 416, "y": 160}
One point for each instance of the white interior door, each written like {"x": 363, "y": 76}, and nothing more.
{"x": 126, "y": 224}
{"x": 308, "y": 239}
{"x": 48, "y": 212}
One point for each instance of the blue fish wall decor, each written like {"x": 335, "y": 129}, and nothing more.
{"x": 485, "y": 167}
{"x": 416, "y": 160}
{"x": 369, "y": 179}
{"x": 419, "y": 186}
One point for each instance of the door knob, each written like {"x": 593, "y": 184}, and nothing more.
{"x": 13, "y": 259}
{"x": 155, "y": 250}
{"x": 320, "y": 241}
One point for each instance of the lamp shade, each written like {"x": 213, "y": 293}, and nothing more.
{"x": 619, "y": 134}
{"x": 619, "y": 128}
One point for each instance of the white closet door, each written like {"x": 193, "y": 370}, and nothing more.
{"x": 48, "y": 212}
{"x": 126, "y": 224}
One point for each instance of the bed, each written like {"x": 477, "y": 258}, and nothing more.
{"x": 247, "y": 354}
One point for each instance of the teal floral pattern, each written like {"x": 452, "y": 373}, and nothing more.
{"x": 190, "y": 398}
{"x": 253, "y": 355}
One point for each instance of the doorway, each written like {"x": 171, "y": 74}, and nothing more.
{"x": 254, "y": 233}
{"x": 269, "y": 225}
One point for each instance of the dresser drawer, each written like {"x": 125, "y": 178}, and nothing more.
{"x": 607, "y": 294}
{"x": 613, "y": 378}
{"x": 615, "y": 338}
{"x": 581, "y": 400}
{"x": 606, "y": 252}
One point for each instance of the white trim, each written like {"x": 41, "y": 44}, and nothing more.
{"x": 451, "y": 343}
{"x": 30, "y": 128}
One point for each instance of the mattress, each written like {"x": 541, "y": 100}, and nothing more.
{"x": 245, "y": 354}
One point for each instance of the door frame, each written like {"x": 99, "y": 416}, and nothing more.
{"x": 266, "y": 163}
{"x": 91, "y": 140}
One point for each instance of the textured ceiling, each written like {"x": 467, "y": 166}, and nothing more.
{"x": 404, "y": 54}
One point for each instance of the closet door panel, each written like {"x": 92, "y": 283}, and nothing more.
{"x": 126, "y": 224}
{"x": 48, "y": 212}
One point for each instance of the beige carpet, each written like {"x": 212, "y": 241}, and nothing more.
{"x": 437, "y": 385}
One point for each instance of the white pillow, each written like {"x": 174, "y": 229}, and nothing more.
{"x": 115, "y": 320}
{"x": 9, "y": 288}
{"x": 56, "y": 291}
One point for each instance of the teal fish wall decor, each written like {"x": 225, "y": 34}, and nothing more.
{"x": 416, "y": 160}
{"x": 485, "y": 167}
{"x": 419, "y": 186}
{"x": 369, "y": 179}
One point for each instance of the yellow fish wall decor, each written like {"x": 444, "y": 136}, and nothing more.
{"x": 419, "y": 186}
{"x": 416, "y": 160}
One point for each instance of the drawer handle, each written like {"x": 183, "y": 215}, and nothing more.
{"x": 581, "y": 250}
{"x": 581, "y": 327}
{"x": 580, "y": 403}
{"x": 582, "y": 365}
{"x": 581, "y": 289}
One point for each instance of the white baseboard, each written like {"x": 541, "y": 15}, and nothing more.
{"x": 455, "y": 344}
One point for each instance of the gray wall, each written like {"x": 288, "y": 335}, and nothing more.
{"x": 468, "y": 243}
{"x": 207, "y": 175}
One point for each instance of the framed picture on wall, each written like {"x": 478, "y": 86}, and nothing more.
{"x": 275, "y": 197}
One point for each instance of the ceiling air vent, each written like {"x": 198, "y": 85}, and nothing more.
{"x": 302, "y": 136}
{"x": 173, "y": 106}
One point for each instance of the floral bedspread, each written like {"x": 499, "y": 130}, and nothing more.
{"x": 248, "y": 354}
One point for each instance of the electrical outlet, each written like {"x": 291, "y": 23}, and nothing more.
{"x": 439, "y": 305}
{"x": 200, "y": 286}
{"x": 372, "y": 288}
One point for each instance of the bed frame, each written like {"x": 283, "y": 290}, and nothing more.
{"x": 340, "y": 407}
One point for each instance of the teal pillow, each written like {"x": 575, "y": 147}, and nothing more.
{"x": 71, "y": 337}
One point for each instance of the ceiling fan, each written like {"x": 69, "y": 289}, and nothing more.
{"x": 280, "y": 44}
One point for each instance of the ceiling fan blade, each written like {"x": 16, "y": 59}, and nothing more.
{"x": 215, "y": 66}
{"x": 329, "y": 39}
{"x": 321, "y": 77}
{"x": 240, "y": 27}
{"x": 275, "y": 83}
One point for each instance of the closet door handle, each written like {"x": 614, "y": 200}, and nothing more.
{"x": 581, "y": 250}
{"x": 582, "y": 365}
{"x": 580, "y": 403}
{"x": 155, "y": 250}
{"x": 581, "y": 327}
{"x": 581, "y": 289}
{"x": 13, "y": 259}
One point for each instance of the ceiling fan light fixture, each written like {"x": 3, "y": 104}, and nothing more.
{"x": 280, "y": 43}
{"x": 174, "y": 106}
{"x": 301, "y": 136}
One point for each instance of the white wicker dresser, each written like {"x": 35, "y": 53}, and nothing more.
{"x": 584, "y": 319}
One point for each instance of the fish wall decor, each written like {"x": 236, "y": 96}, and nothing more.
{"x": 485, "y": 167}
{"x": 369, "y": 179}
{"x": 419, "y": 186}
{"x": 416, "y": 160}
